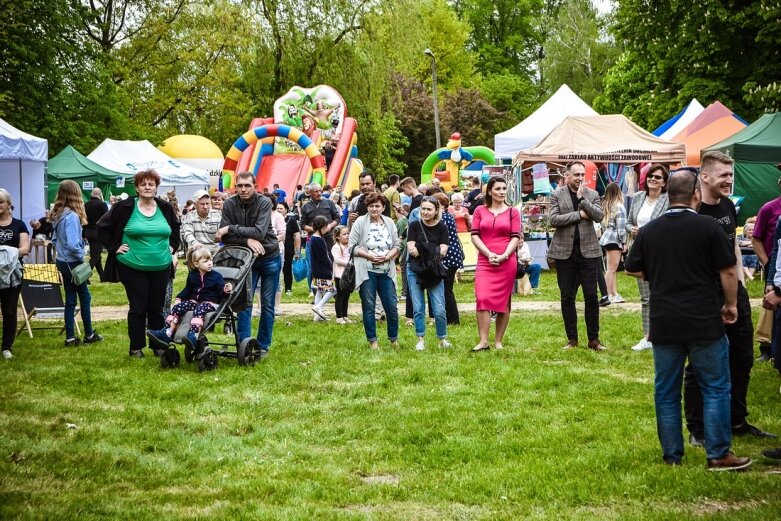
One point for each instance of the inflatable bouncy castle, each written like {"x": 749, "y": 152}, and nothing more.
{"x": 308, "y": 139}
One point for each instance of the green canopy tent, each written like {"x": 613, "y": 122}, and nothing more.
{"x": 757, "y": 153}
{"x": 70, "y": 164}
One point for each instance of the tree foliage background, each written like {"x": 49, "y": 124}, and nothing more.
{"x": 78, "y": 71}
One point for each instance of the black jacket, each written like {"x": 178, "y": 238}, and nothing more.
{"x": 95, "y": 209}
{"x": 111, "y": 227}
{"x": 250, "y": 220}
{"x": 209, "y": 288}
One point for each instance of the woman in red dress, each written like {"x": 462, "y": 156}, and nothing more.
{"x": 496, "y": 230}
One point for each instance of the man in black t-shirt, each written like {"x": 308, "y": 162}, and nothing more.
{"x": 686, "y": 317}
{"x": 716, "y": 177}
{"x": 410, "y": 189}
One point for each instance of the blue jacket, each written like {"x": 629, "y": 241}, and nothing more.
{"x": 68, "y": 240}
{"x": 209, "y": 288}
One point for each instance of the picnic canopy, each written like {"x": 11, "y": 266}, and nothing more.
{"x": 71, "y": 164}
{"x": 601, "y": 139}
{"x": 714, "y": 124}
{"x": 757, "y": 152}
{"x": 22, "y": 166}
{"x": 678, "y": 122}
{"x": 130, "y": 157}
{"x": 531, "y": 130}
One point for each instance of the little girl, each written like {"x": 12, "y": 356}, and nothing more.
{"x": 322, "y": 267}
{"x": 204, "y": 291}
{"x": 341, "y": 255}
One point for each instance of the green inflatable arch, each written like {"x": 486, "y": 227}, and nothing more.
{"x": 479, "y": 153}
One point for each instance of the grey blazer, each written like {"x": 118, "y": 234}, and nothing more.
{"x": 358, "y": 236}
{"x": 565, "y": 218}
{"x": 637, "y": 202}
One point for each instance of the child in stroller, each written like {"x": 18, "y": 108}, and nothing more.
{"x": 204, "y": 291}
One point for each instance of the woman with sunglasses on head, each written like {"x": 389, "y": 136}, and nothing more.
{"x": 646, "y": 206}
{"x": 496, "y": 231}
{"x": 427, "y": 244}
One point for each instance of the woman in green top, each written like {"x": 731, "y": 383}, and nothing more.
{"x": 141, "y": 235}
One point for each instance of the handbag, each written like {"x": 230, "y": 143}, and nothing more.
{"x": 347, "y": 281}
{"x": 520, "y": 271}
{"x": 433, "y": 271}
{"x": 764, "y": 326}
{"x": 81, "y": 273}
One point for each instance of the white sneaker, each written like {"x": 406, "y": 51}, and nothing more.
{"x": 340, "y": 320}
{"x": 617, "y": 299}
{"x": 420, "y": 346}
{"x": 642, "y": 345}
{"x": 445, "y": 343}
{"x": 7, "y": 354}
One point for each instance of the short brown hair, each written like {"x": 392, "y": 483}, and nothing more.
{"x": 444, "y": 202}
{"x": 712, "y": 157}
{"x": 408, "y": 181}
{"x": 145, "y": 175}
{"x": 246, "y": 175}
{"x": 374, "y": 197}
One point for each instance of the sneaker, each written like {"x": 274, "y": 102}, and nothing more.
{"x": 158, "y": 339}
{"x": 374, "y": 346}
{"x": 348, "y": 321}
{"x": 604, "y": 301}
{"x": 93, "y": 338}
{"x": 341, "y": 321}
{"x": 694, "y": 441}
{"x": 72, "y": 342}
{"x": 728, "y": 462}
{"x": 288, "y": 293}
{"x": 7, "y": 354}
{"x": 445, "y": 343}
{"x": 263, "y": 354}
{"x": 617, "y": 299}
{"x": 319, "y": 312}
{"x": 772, "y": 453}
{"x": 642, "y": 345}
{"x": 420, "y": 346}
{"x": 749, "y": 430}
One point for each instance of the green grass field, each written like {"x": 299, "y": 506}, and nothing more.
{"x": 327, "y": 429}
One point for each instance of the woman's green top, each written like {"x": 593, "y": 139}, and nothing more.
{"x": 147, "y": 240}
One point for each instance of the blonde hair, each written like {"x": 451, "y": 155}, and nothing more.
{"x": 613, "y": 198}
{"x": 69, "y": 196}
{"x": 195, "y": 255}
{"x": 5, "y": 196}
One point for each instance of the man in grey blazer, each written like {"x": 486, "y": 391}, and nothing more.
{"x": 574, "y": 209}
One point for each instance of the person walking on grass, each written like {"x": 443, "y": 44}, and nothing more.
{"x": 68, "y": 218}
{"x": 427, "y": 244}
{"x": 687, "y": 319}
{"x": 613, "y": 240}
{"x": 647, "y": 205}
{"x": 341, "y": 255}
{"x": 496, "y": 230}
{"x": 574, "y": 209}
{"x": 322, "y": 267}
{"x": 14, "y": 236}
{"x": 204, "y": 290}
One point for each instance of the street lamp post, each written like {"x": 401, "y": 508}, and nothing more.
{"x": 428, "y": 52}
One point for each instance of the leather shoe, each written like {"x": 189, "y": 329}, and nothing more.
{"x": 749, "y": 430}
{"x": 773, "y": 453}
{"x": 137, "y": 354}
{"x": 596, "y": 345}
{"x": 572, "y": 344}
{"x": 728, "y": 462}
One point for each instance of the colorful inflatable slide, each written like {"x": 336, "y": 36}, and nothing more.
{"x": 310, "y": 131}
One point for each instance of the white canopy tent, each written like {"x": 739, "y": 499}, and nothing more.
{"x": 130, "y": 157}
{"x": 689, "y": 114}
{"x": 22, "y": 171}
{"x": 531, "y": 130}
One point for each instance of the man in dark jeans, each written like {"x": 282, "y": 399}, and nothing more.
{"x": 95, "y": 208}
{"x": 716, "y": 177}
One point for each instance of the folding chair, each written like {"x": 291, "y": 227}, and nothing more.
{"x": 41, "y": 297}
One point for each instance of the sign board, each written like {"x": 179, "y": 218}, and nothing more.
{"x": 87, "y": 186}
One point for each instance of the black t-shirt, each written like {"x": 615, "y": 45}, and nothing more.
{"x": 415, "y": 202}
{"x": 9, "y": 234}
{"x": 436, "y": 234}
{"x": 725, "y": 214}
{"x": 362, "y": 209}
{"x": 324, "y": 207}
{"x": 291, "y": 221}
{"x": 576, "y": 206}
{"x": 681, "y": 253}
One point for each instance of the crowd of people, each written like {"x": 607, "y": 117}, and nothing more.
{"x": 679, "y": 227}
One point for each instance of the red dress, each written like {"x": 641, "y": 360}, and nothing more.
{"x": 494, "y": 284}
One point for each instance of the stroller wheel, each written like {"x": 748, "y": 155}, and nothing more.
{"x": 170, "y": 358}
{"x": 207, "y": 361}
{"x": 189, "y": 352}
{"x": 248, "y": 351}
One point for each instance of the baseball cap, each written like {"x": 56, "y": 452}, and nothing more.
{"x": 200, "y": 194}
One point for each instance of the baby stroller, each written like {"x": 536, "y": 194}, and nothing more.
{"x": 234, "y": 263}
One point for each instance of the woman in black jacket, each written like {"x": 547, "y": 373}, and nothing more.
{"x": 141, "y": 235}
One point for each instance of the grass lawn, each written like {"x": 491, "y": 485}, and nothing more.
{"x": 326, "y": 429}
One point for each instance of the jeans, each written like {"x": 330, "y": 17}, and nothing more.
{"x": 145, "y": 295}
{"x": 534, "y": 270}
{"x": 436, "y": 296}
{"x": 571, "y": 273}
{"x": 382, "y": 284}
{"x": 741, "y": 359}
{"x": 710, "y": 360}
{"x": 73, "y": 291}
{"x": 267, "y": 270}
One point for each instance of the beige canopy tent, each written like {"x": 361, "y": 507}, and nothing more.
{"x": 601, "y": 139}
